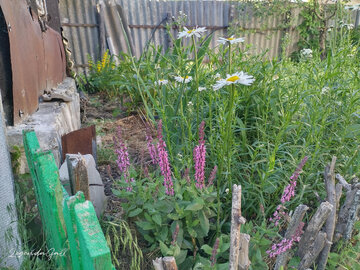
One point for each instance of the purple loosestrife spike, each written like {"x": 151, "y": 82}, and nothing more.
{"x": 175, "y": 234}
{"x": 286, "y": 244}
{"x": 212, "y": 176}
{"x": 199, "y": 158}
{"x": 214, "y": 252}
{"x": 164, "y": 162}
{"x": 289, "y": 190}
{"x": 146, "y": 172}
{"x": 122, "y": 161}
{"x": 151, "y": 147}
{"x": 186, "y": 175}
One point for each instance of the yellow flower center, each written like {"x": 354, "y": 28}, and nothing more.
{"x": 190, "y": 31}
{"x": 233, "y": 78}
{"x": 230, "y": 38}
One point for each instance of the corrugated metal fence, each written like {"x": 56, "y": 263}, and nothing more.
{"x": 144, "y": 21}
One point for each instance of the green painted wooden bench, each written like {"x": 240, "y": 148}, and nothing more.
{"x": 72, "y": 230}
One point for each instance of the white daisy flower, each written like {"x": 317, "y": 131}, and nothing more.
{"x": 192, "y": 32}
{"x": 231, "y": 40}
{"x": 201, "y": 88}
{"x": 161, "y": 82}
{"x": 238, "y": 77}
{"x": 185, "y": 79}
{"x": 190, "y": 103}
{"x": 307, "y": 53}
{"x": 324, "y": 90}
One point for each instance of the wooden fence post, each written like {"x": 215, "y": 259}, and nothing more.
{"x": 236, "y": 221}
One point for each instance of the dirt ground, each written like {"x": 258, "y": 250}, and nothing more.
{"x": 107, "y": 115}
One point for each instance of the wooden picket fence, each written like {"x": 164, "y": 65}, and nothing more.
{"x": 69, "y": 222}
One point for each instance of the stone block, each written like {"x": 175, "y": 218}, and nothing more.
{"x": 64, "y": 178}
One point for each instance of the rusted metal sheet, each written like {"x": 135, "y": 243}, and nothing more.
{"x": 81, "y": 141}
{"x": 54, "y": 15}
{"x": 37, "y": 56}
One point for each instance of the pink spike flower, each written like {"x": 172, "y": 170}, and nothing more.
{"x": 164, "y": 162}
{"x": 289, "y": 190}
{"x": 199, "y": 154}
{"x": 122, "y": 161}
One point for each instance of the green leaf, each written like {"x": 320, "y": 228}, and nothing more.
{"x": 195, "y": 222}
{"x": 173, "y": 216}
{"x": 222, "y": 266}
{"x": 163, "y": 233}
{"x": 157, "y": 219}
{"x": 192, "y": 232}
{"x": 207, "y": 249}
{"x": 135, "y": 212}
{"x": 116, "y": 192}
{"x": 148, "y": 217}
{"x": 148, "y": 238}
{"x": 164, "y": 249}
{"x": 224, "y": 247}
{"x": 204, "y": 222}
{"x": 195, "y": 206}
{"x": 145, "y": 225}
{"x": 180, "y": 258}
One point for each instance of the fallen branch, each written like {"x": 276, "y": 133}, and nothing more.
{"x": 347, "y": 214}
{"x": 353, "y": 216}
{"x": 313, "y": 252}
{"x": 332, "y": 198}
{"x": 343, "y": 182}
{"x": 314, "y": 226}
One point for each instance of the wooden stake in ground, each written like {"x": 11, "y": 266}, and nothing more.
{"x": 236, "y": 221}
{"x": 244, "y": 262}
{"x": 79, "y": 179}
{"x": 165, "y": 263}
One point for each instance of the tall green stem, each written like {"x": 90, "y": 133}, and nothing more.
{"x": 196, "y": 82}
{"x": 227, "y": 148}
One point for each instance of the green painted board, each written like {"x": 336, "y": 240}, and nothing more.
{"x": 49, "y": 195}
{"x": 70, "y": 220}
{"x": 95, "y": 254}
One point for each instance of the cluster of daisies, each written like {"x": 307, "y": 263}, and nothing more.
{"x": 236, "y": 78}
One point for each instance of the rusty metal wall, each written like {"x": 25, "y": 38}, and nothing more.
{"x": 37, "y": 57}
